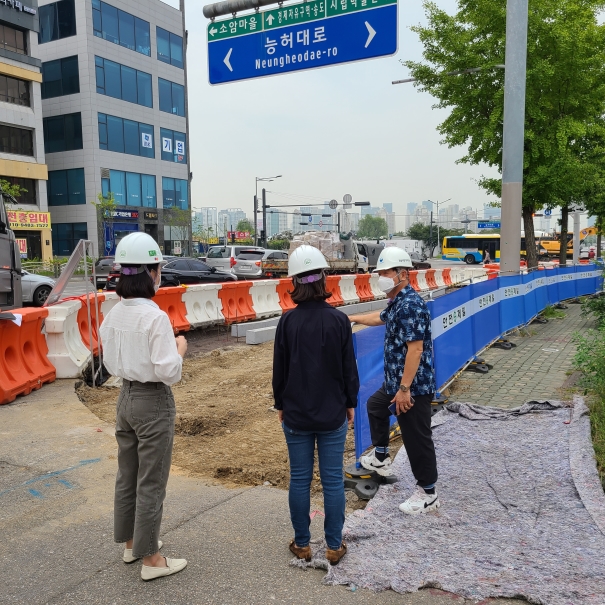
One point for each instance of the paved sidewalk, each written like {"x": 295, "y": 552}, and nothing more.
{"x": 535, "y": 369}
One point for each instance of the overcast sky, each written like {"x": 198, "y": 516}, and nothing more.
{"x": 331, "y": 131}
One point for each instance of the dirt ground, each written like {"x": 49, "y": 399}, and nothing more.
{"x": 226, "y": 428}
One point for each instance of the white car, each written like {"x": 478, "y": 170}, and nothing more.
{"x": 35, "y": 288}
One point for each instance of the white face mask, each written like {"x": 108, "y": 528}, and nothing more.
{"x": 158, "y": 280}
{"x": 386, "y": 284}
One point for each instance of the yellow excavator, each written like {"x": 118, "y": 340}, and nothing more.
{"x": 551, "y": 246}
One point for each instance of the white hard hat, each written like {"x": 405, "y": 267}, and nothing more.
{"x": 393, "y": 257}
{"x": 138, "y": 249}
{"x": 306, "y": 258}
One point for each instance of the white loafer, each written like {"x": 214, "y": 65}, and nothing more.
{"x": 174, "y": 566}
{"x": 128, "y": 558}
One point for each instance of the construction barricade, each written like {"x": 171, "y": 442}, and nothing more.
{"x": 430, "y": 279}
{"x": 66, "y": 350}
{"x": 363, "y": 287}
{"x": 237, "y": 302}
{"x": 283, "y": 289}
{"x": 423, "y": 285}
{"x": 111, "y": 300}
{"x": 333, "y": 286}
{"x": 170, "y": 300}
{"x": 24, "y": 364}
{"x": 203, "y": 305}
{"x": 447, "y": 276}
{"x": 376, "y": 291}
{"x": 348, "y": 291}
{"x": 265, "y": 299}
{"x": 85, "y": 333}
{"x": 439, "y": 279}
{"x": 413, "y": 277}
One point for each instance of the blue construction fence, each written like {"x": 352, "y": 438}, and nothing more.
{"x": 465, "y": 321}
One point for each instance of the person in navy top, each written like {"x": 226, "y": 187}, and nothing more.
{"x": 315, "y": 385}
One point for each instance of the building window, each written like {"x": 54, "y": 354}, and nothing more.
{"x": 175, "y": 193}
{"x": 66, "y": 187}
{"x": 63, "y": 133}
{"x": 66, "y": 237}
{"x": 57, "y": 21}
{"x": 174, "y": 148}
{"x": 172, "y": 97}
{"x": 25, "y": 197}
{"x": 170, "y": 47}
{"x": 121, "y": 82}
{"x": 125, "y": 136}
{"x": 14, "y": 91}
{"x": 16, "y": 140}
{"x": 12, "y": 39}
{"x": 60, "y": 77}
{"x": 130, "y": 188}
{"x": 120, "y": 27}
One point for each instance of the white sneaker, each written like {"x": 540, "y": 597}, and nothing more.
{"x": 173, "y": 566}
{"x": 372, "y": 463}
{"x": 420, "y": 502}
{"x": 128, "y": 558}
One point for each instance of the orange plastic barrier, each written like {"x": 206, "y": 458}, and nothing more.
{"x": 170, "y": 300}
{"x": 237, "y": 301}
{"x": 83, "y": 320}
{"x": 284, "y": 287}
{"x": 414, "y": 280}
{"x": 333, "y": 286}
{"x": 447, "y": 277}
{"x": 430, "y": 279}
{"x": 362, "y": 285}
{"x": 24, "y": 366}
{"x": 491, "y": 274}
{"x": 493, "y": 267}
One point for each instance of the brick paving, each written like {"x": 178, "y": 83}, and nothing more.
{"x": 533, "y": 370}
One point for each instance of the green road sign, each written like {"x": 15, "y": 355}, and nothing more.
{"x": 288, "y": 15}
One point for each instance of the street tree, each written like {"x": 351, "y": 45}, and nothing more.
{"x": 372, "y": 227}
{"x": 106, "y": 207}
{"x": 421, "y": 232}
{"x": 179, "y": 221}
{"x": 565, "y": 96}
{"x": 245, "y": 225}
{"x": 14, "y": 191}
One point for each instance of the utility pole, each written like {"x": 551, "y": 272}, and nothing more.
{"x": 576, "y": 235}
{"x": 431, "y": 235}
{"x": 513, "y": 134}
{"x": 264, "y": 233}
{"x": 255, "y": 220}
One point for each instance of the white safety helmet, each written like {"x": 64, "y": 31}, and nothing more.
{"x": 304, "y": 259}
{"x": 138, "y": 249}
{"x": 393, "y": 257}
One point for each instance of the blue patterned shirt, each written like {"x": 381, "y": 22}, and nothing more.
{"x": 407, "y": 319}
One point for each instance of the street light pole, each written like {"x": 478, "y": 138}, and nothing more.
{"x": 268, "y": 179}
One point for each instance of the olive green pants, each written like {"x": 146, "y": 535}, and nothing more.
{"x": 145, "y": 434}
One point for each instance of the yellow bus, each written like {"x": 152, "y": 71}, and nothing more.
{"x": 470, "y": 248}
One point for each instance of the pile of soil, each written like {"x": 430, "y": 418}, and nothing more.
{"x": 226, "y": 427}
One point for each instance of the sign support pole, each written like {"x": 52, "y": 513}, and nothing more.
{"x": 264, "y": 234}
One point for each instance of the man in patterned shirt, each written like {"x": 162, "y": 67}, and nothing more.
{"x": 409, "y": 381}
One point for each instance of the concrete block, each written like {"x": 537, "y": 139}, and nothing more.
{"x": 261, "y": 335}
{"x": 378, "y": 305}
{"x": 239, "y": 330}
{"x": 356, "y": 308}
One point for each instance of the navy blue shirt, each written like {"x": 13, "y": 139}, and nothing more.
{"x": 407, "y": 319}
{"x": 314, "y": 368}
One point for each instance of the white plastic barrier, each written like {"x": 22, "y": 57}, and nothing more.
{"x": 376, "y": 291}
{"x": 477, "y": 274}
{"x": 111, "y": 300}
{"x": 348, "y": 290}
{"x": 457, "y": 275}
{"x": 265, "y": 299}
{"x": 439, "y": 278}
{"x": 66, "y": 351}
{"x": 203, "y": 306}
{"x": 421, "y": 279}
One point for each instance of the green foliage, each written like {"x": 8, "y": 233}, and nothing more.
{"x": 595, "y": 306}
{"x": 179, "y": 220}
{"x": 13, "y": 190}
{"x": 551, "y": 313}
{"x": 565, "y": 97}
{"x": 372, "y": 227}
{"x": 106, "y": 206}
{"x": 245, "y": 225}
{"x": 423, "y": 233}
{"x": 278, "y": 244}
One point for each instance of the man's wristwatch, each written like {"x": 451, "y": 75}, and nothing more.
{"x": 404, "y": 388}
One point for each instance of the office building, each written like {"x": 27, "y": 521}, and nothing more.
{"x": 389, "y": 218}
{"x": 491, "y": 213}
{"x": 277, "y": 222}
{"x": 115, "y": 121}
{"x": 22, "y": 160}
{"x": 229, "y": 218}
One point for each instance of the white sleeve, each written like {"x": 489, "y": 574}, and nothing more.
{"x": 167, "y": 363}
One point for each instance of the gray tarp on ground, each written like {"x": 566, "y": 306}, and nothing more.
{"x": 511, "y": 522}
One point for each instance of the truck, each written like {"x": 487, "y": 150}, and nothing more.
{"x": 343, "y": 255}
{"x": 10, "y": 260}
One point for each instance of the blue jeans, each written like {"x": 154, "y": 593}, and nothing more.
{"x": 330, "y": 450}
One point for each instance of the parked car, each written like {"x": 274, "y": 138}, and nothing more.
{"x": 223, "y": 257}
{"x": 248, "y": 264}
{"x": 177, "y": 271}
{"x": 35, "y": 288}
{"x": 114, "y": 273}
{"x": 418, "y": 261}
{"x": 102, "y": 268}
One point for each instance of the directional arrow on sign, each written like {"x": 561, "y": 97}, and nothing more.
{"x": 213, "y": 31}
{"x": 226, "y": 60}
{"x": 371, "y": 32}
{"x": 270, "y": 19}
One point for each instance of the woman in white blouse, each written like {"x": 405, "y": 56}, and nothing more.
{"x": 139, "y": 346}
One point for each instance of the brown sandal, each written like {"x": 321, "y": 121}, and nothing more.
{"x": 302, "y": 552}
{"x": 334, "y": 556}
